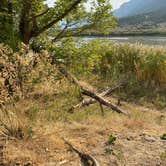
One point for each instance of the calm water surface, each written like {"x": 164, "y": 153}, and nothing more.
{"x": 147, "y": 40}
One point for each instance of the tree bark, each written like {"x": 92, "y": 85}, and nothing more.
{"x": 27, "y": 22}
{"x": 25, "y": 27}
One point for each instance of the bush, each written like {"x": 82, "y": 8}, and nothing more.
{"x": 163, "y": 137}
{"x": 111, "y": 139}
{"x": 144, "y": 67}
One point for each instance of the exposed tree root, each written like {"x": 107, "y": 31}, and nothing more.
{"x": 86, "y": 159}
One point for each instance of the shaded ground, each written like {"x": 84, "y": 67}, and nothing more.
{"x": 138, "y": 140}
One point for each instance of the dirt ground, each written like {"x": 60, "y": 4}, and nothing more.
{"x": 138, "y": 141}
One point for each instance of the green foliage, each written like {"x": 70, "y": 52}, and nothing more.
{"x": 163, "y": 137}
{"x": 111, "y": 139}
{"x": 24, "y": 20}
{"x": 152, "y": 67}
{"x": 144, "y": 67}
{"x": 7, "y": 29}
{"x": 109, "y": 60}
{"x": 40, "y": 43}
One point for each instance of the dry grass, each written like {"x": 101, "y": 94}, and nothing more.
{"x": 88, "y": 131}
{"x": 42, "y": 118}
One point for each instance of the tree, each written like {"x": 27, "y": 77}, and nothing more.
{"x": 65, "y": 18}
{"x": 6, "y": 22}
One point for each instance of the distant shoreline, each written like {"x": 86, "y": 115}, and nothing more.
{"x": 151, "y": 40}
{"x": 123, "y": 35}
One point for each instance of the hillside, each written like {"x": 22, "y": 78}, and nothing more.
{"x": 146, "y": 19}
{"x": 142, "y": 18}
{"x": 136, "y": 7}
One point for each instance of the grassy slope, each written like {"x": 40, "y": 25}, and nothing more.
{"x": 138, "y": 137}
{"x": 152, "y": 23}
{"x": 43, "y": 117}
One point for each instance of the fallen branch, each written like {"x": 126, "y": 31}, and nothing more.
{"x": 89, "y": 101}
{"x": 102, "y": 100}
{"x": 86, "y": 159}
{"x": 89, "y": 93}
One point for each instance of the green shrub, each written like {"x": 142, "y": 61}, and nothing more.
{"x": 163, "y": 137}
{"x": 111, "y": 139}
{"x": 100, "y": 60}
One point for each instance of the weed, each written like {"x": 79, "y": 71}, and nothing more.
{"x": 111, "y": 140}
{"x": 163, "y": 155}
{"x": 163, "y": 137}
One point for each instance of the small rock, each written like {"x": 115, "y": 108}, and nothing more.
{"x": 46, "y": 150}
{"x": 63, "y": 162}
{"x": 149, "y": 138}
{"x": 28, "y": 163}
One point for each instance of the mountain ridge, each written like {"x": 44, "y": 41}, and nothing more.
{"x": 136, "y": 7}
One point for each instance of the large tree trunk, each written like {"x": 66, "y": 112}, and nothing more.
{"x": 28, "y": 21}
{"x": 25, "y": 26}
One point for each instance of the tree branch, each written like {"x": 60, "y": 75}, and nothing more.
{"x": 60, "y": 33}
{"x": 39, "y": 15}
{"x": 60, "y": 17}
{"x": 89, "y": 101}
{"x": 86, "y": 159}
{"x": 72, "y": 32}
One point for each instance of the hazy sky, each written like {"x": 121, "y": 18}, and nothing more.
{"x": 115, "y": 3}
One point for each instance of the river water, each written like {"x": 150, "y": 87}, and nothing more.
{"x": 146, "y": 40}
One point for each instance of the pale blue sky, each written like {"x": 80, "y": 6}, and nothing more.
{"x": 115, "y": 3}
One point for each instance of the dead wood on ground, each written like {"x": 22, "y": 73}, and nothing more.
{"x": 86, "y": 159}
{"x": 108, "y": 92}
{"x": 99, "y": 98}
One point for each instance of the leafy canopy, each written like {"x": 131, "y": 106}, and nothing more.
{"x": 30, "y": 18}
